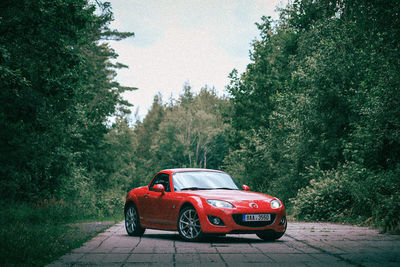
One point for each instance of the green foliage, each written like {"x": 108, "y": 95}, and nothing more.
{"x": 189, "y": 130}
{"x": 384, "y": 199}
{"x": 322, "y": 90}
{"x": 327, "y": 198}
{"x": 350, "y": 193}
{"x": 57, "y": 94}
{"x": 387, "y": 213}
{"x": 60, "y": 162}
{"x": 37, "y": 235}
{"x": 143, "y": 138}
{"x": 187, "y": 133}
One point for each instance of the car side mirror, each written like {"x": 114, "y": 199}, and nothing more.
{"x": 246, "y": 187}
{"x": 159, "y": 188}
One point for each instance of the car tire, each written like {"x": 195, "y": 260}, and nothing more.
{"x": 132, "y": 221}
{"x": 189, "y": 225}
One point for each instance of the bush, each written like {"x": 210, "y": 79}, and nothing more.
{"x": 110, "y": 203}
{"x": 387, "y": 213}
{"x": 327, "y": 197}
{"x": 351, "y": 193}
{"x": 386, "y": 206}
{"x": 84, "y": 200}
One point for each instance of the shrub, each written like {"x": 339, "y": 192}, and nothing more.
{"x": 386, "y": 206}
{"x": 110, "y": 203}
{"x": 328, "y": 196}
{"x": 351, "y": 193}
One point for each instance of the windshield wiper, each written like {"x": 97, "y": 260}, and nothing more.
{"x": 225, "y": 188}
{"x": 194, "y": 188}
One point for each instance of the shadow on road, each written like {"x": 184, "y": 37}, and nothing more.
{"x": 211, "y": 238}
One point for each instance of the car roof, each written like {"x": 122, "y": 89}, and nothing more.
{"x": 189, "y": 170}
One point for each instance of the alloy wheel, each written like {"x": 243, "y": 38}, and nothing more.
{"x": 131, "y": 220}
{"x": 189, "y": 224}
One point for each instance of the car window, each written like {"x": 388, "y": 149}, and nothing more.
{"x": 161, "y": 178}
{"x": 203, "y": 180}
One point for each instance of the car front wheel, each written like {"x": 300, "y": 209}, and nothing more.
{"x": 189, "y": 225}
{"x": 132, "y": 223}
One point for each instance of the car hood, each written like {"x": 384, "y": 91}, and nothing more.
{"x": 231, "y": 195}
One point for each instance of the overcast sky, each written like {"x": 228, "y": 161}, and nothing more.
{"x": 199, "y": 41}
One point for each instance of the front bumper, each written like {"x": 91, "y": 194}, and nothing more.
{"x": 233, "y": 222}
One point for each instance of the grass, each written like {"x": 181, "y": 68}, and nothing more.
{"x": 36, "y": 236}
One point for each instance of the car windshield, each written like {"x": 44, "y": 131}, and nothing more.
{"x": 203, "y": 180}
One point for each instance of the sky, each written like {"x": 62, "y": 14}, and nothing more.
{"x": 178, "y": 41}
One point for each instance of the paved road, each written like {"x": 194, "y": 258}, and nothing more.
{"x": 305, "y": 244}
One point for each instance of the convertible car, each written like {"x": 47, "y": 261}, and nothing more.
{"x": 197, "y": 202}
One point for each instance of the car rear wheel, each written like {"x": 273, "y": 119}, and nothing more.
{"x": 132, "y": 222}
{"x": 189, "y": 225}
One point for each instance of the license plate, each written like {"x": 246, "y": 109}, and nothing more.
{"x": 256, "y": 217}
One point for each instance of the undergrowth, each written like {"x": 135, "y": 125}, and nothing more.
{"x": 37, "y": 234}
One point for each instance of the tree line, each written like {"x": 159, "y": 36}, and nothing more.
{"x": 314, "y": 119}
{"x": 57, "y": 92}
{"x": 316, "y": 114}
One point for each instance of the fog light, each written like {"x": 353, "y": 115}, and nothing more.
{"x": 282, "y": 221}
{"x": 215, "y": 220}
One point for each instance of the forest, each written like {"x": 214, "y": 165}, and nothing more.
{"x": 314, "y": 119}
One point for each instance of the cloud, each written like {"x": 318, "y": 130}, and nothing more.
{"x": 199, "y": 41}
{"x": 182, "y": 55}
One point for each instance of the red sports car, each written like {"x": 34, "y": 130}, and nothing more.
{"x": 200, "y": 201}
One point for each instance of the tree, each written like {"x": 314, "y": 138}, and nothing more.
{"x": 327, "y": 73}
{"x": 189, "y": 132}
{"x": 57, "y": 92}
{"x": 144, "y": 139}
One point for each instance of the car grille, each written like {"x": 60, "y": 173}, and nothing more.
{"x": 238, "y": 218}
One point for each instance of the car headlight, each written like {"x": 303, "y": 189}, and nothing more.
{"x": 275, "y": 204}
{"x": 219, "y": 203}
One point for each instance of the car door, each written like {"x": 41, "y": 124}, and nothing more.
{"x": 156, "y": 205}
